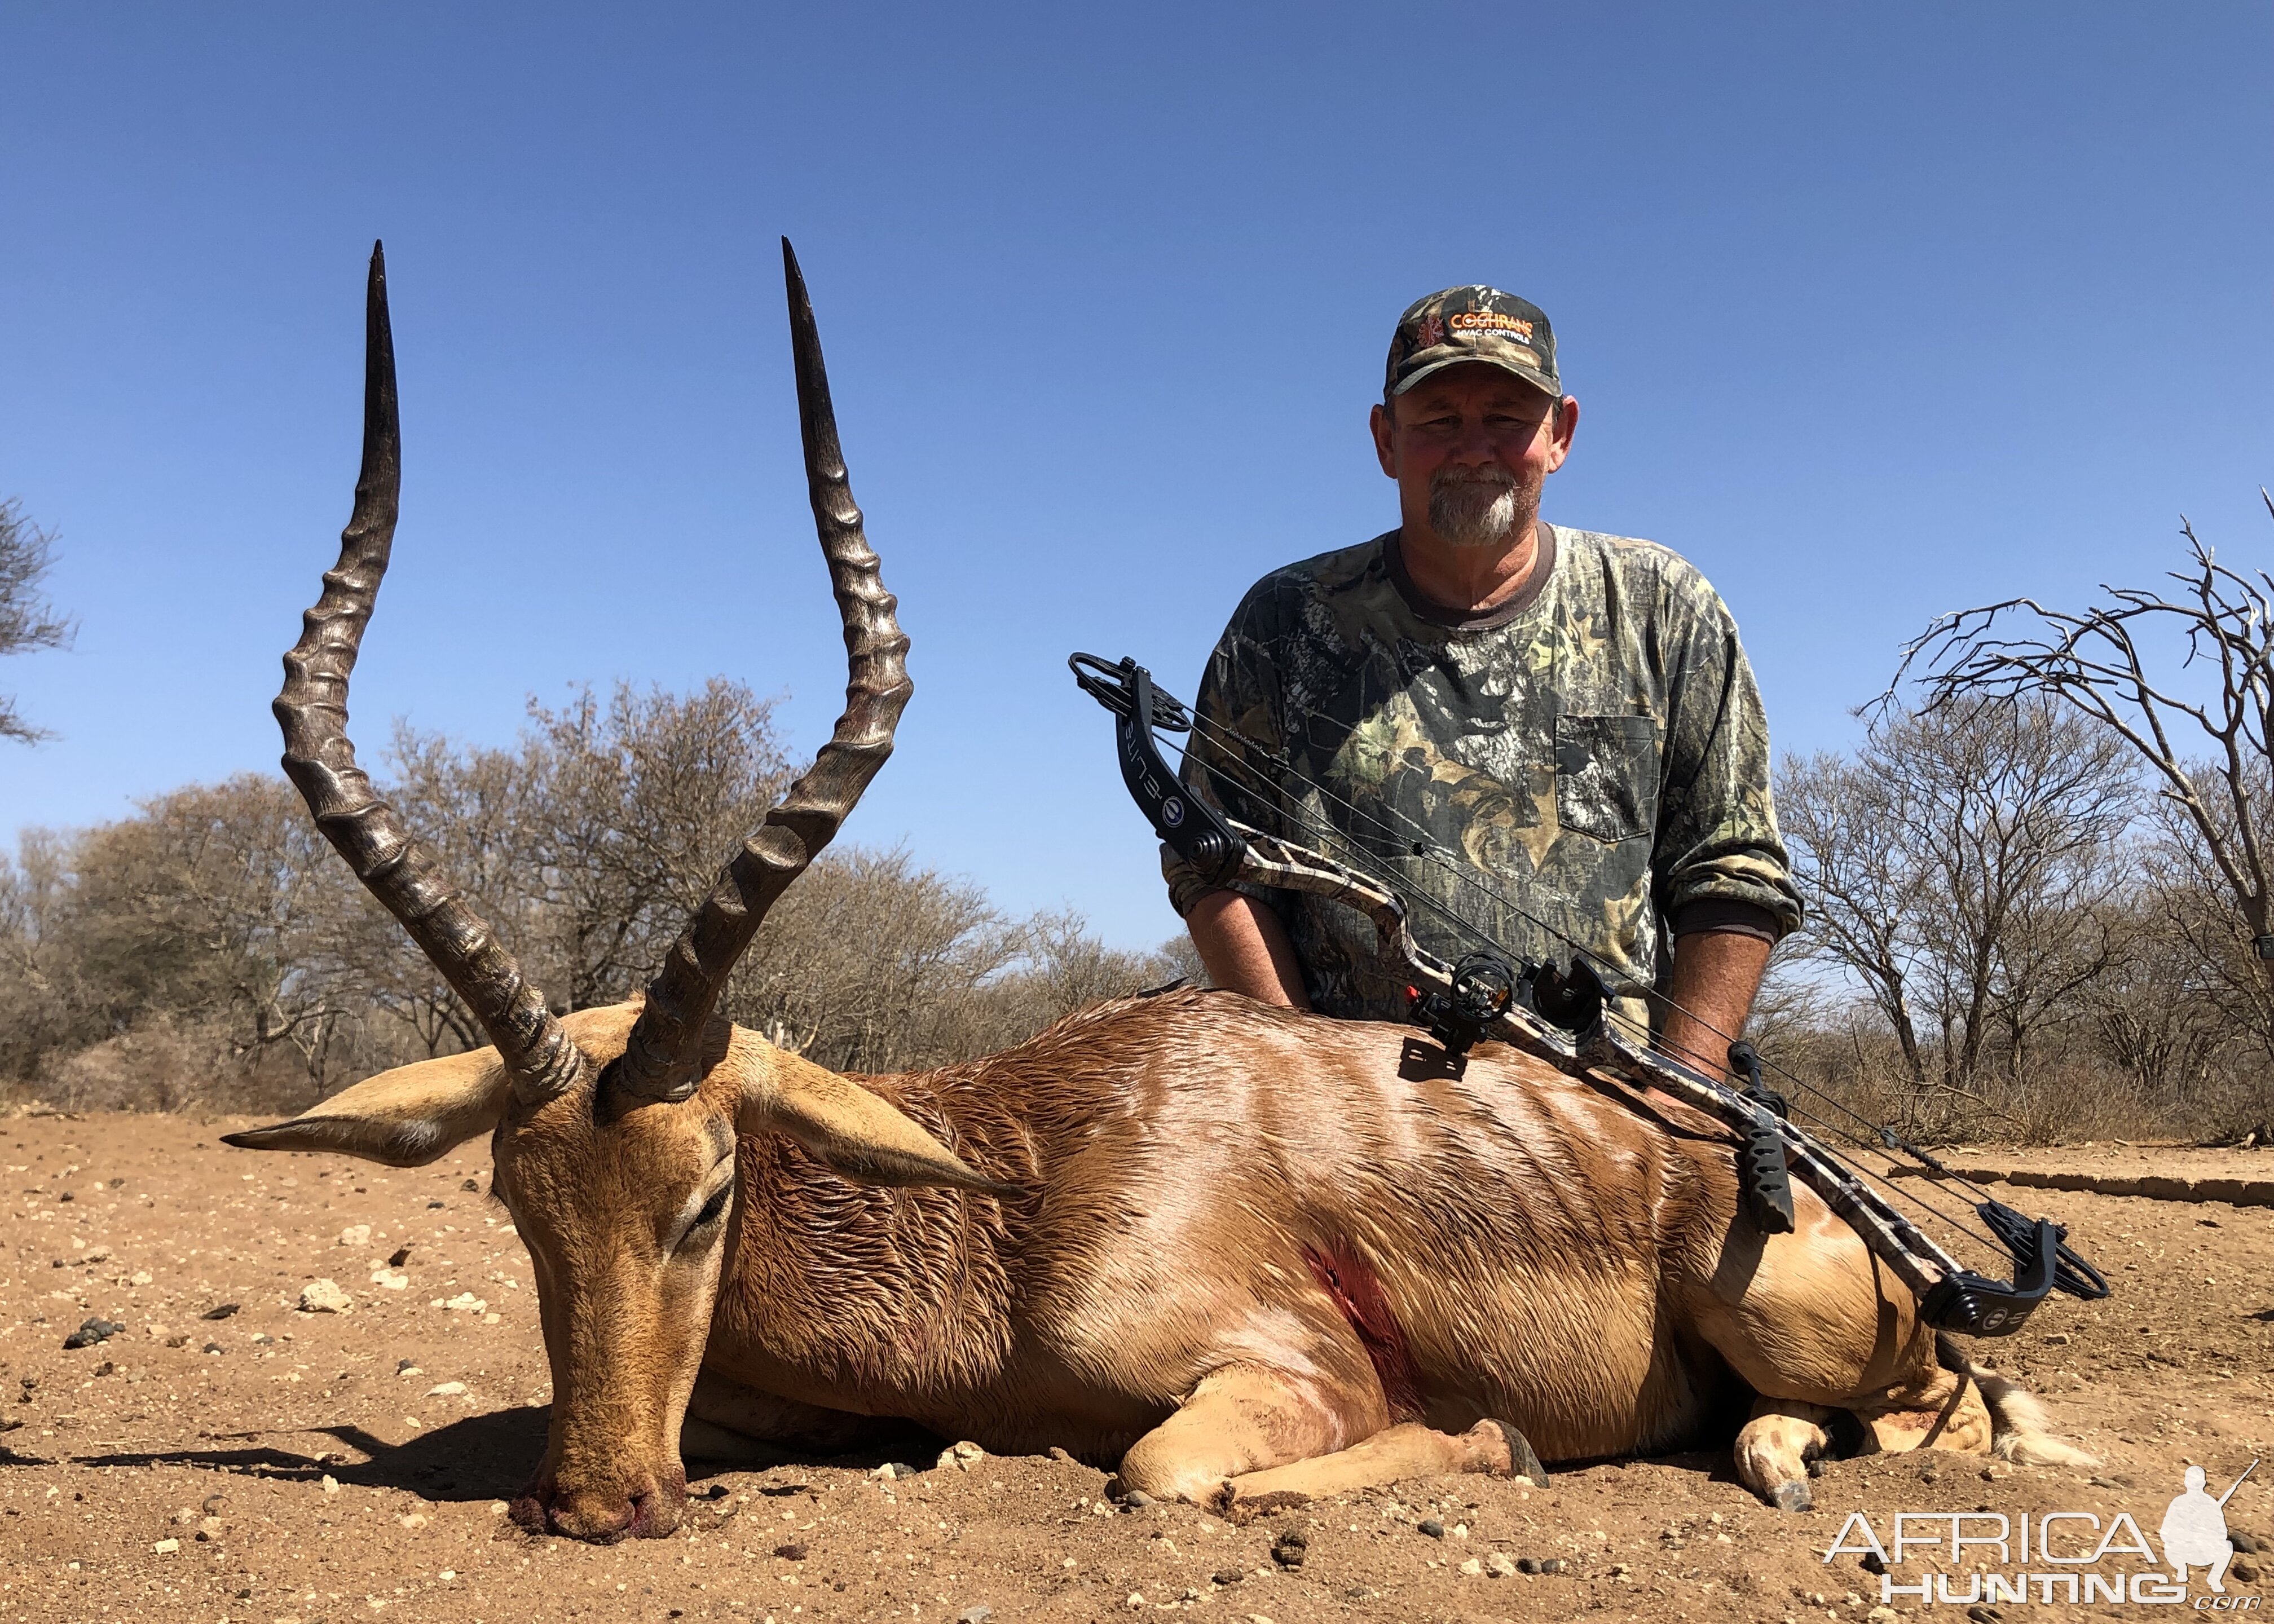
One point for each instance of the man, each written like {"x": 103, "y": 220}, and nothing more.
{"x": 1536, "y": 733}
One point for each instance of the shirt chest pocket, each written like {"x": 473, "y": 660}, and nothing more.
{"x": 1606, "y": 775}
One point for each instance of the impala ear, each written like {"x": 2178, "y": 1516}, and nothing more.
{"x": 857, "y": 1133}
{"x": 405, "y": 1117}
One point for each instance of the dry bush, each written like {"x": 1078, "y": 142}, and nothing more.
{"x": 212, "y": 952}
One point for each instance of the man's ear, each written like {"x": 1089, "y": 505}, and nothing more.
{"x": 854, "y": 1132}
{"x": 405, "y": 1117}
{"x": 1385, "y": 445}
{"x": 1567, "y": 425}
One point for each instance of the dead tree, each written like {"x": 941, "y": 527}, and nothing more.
{"x": 2113, "y": 662}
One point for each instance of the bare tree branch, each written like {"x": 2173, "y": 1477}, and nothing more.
{"x": 2103, "y": 661}
{"x": 27, "y": 621}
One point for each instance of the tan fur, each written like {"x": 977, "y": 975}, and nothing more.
{"x": 1106, "y": 1240}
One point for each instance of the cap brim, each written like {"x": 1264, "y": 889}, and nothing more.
{"x": 1536, "y": 379}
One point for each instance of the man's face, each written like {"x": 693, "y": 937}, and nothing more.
{"x": 1470, "y": 447}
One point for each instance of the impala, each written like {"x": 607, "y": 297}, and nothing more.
{"x": 1226, "y": 1248}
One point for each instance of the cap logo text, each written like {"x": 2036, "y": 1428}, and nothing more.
{"x": 1490, "y": 321}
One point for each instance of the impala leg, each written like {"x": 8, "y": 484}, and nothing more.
{"x": 1774, "y": 1448}
{"x": 1242, "y": 1419}
{"x": 1943, "y": 1410}
{"x": 1252, "y": 1438}
{"x": 1390, "y": 1455}
{"x": 1814, "y": 1323}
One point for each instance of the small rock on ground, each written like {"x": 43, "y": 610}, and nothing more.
{"x": 324, "y": 1297}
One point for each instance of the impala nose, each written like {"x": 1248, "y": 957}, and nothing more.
{"x": 604, "y": 1514}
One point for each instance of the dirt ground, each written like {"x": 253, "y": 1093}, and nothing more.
{"x": 290, "y": 1468}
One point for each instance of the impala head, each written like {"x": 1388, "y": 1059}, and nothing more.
{"x": 614, "y": 1131}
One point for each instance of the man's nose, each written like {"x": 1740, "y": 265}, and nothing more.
{"x": 1474, "y": 447}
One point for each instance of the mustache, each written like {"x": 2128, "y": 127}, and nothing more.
{"x": 1498, "y": 478}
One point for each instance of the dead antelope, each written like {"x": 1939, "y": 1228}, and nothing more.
{"x": 1226, "y": 1246}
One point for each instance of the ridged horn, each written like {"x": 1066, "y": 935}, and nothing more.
{"x": 320, "y": 759}
{"x": 663, "y": 1060}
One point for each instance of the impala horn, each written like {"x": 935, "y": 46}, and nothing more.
{"x": 320, "y": 759}
{"x": 663, "y": 1060}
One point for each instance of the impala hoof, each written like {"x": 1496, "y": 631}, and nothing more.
{"x": 1792, "y": 1496}
{"x": 1523, "y": 1460}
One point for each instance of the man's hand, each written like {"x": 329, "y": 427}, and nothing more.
{"x": 1716, "y": 973}
{"x": 1245, "y": 949}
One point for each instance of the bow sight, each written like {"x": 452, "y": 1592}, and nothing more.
{"x": 1562, "y": 1017}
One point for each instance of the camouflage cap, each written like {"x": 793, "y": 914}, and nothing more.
{"x": 1472, "y": 324}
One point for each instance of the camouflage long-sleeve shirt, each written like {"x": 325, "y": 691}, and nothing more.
{"x": 1589, "y": 758}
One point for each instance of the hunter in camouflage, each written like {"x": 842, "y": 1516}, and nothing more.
{"x": 1555, "y": 735}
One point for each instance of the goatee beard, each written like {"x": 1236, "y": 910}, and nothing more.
{"x": 1478, "y": 510}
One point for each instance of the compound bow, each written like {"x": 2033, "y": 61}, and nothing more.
{"x": 1560, "y": 1016}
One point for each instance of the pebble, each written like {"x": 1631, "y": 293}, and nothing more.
{"x": 976, "y": 1615}
{"x": 1500, "y": 1565}
{"x": 400, "y": 1256}
{"x": 164, "y": 1546}
{"x": 324, "y": 1297}
{"x": 355, "y": 1234}
{"x": 791, "y": 1552}
{"x": 1880, "y": 1615}
{"x": 446, "y": 1389}
{"x": 1137, "y": 1500}
{"x": 331, "y": 1484}
{"x": 1431, "y": 1527}
{"x": 2058, "y": 1339}
{"x": 1471, "y": 1567}
{"x": 965, "y": 1454}
{"x": 1058, "y": 1454}
{"x": 219, "y": 1310}
{"x": 1228, "y": 1575}
{"x": 2247, "y": 1572}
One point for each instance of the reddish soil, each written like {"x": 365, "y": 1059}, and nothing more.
{"x": 284, "y": 1467}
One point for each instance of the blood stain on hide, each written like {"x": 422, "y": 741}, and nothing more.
{"x": 1357, "y": 1293}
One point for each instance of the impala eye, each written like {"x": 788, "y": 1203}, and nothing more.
{"x": 711, "y": 1208}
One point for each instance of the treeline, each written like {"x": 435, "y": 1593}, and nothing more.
{"x": 212, "y": 950}
{"x": 2011, "y": 935}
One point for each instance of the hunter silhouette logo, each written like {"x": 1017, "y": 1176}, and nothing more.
{"x": 2195, "y": 1529}
{"x": 2049, "y": 1557}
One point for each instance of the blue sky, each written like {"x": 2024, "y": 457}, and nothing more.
{"x": 1874, "y": 312}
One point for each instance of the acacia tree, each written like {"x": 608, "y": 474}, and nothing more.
{"x": 1963, "y": 867}
{"x": 26, "y": 620}
{"x": 2184, "y": 679}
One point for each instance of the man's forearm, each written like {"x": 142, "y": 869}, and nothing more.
{"x": 1716, "y": 973}
{"x": 1245, "y": 949}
